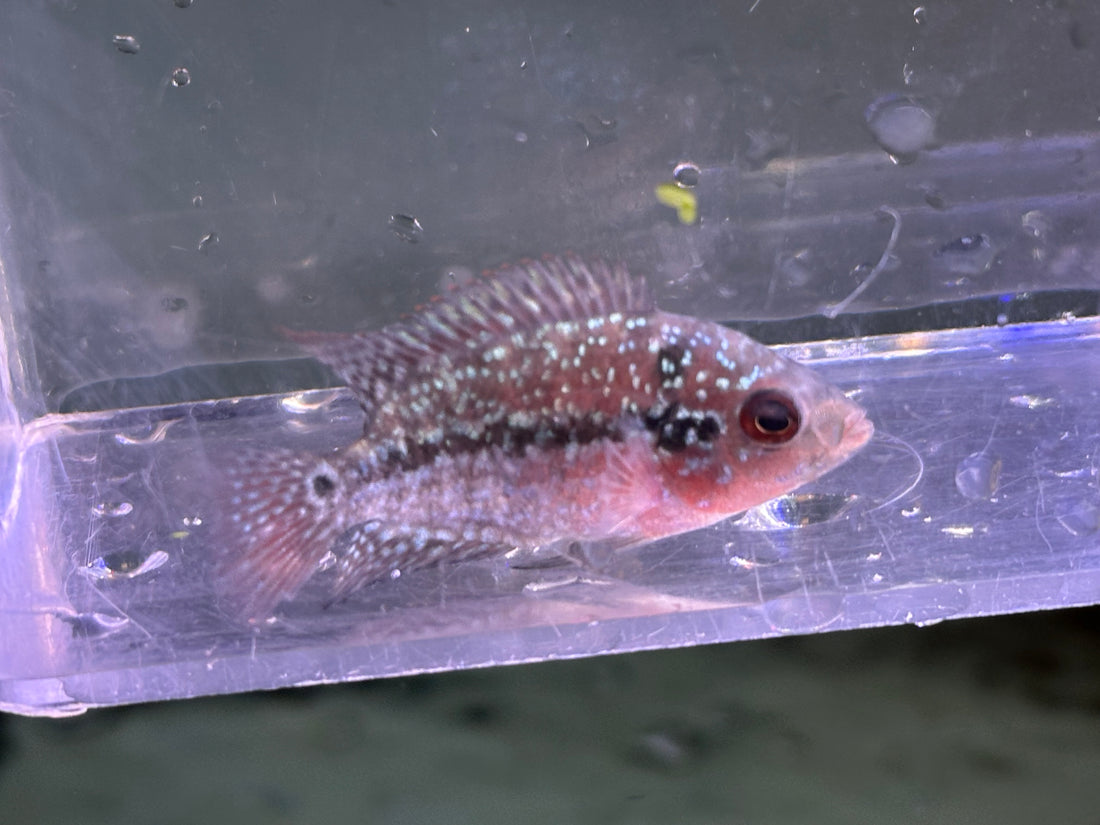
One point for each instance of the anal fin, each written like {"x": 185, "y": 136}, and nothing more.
{"x": 374, "y": 550}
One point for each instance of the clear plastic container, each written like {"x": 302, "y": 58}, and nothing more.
{"x": 178, "y": 180}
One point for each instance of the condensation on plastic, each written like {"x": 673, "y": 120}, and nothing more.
{"x": 329, "y": 170}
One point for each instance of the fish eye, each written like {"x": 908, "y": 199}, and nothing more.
{"x": 770, "y": 417}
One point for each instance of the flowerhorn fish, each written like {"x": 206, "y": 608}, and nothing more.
{"x": 543, "y": 404}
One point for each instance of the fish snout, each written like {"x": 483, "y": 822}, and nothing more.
{"x": 842, "y": 426}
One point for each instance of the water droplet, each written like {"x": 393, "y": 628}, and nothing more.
{"x": 171, "y": 303}
{"x": 208, "y": 242}
{"x": 126, "y": 43}
{"x": 7, "y": 102}
{"x": 197, "y": 201}
{"x": 764, "y": 146}
{"x": 934, "y": 198}
{"x": 976, "y": 476}
{"x": 1078, "y": 36}
{"x": 124, "y": 565}
{"x": 804, "y": 612}
{"x": 147, "y": 435}
{"x": 1036, "y": 224}
{"x": 598, "y": 130}
{"x": 686, "y": 174}
{"x": 674, "y": 746}
{"x": 740, "y": 561}
{"x": 1031, "y": 402}
{"x": 1079, "y": 518}
{"x": 183, "y": 4}
{"x": 94, "y": 625}
{"x": 797, "y": 269}
{"x": 306, "y": 402}
{"x": 901, "y": 126}
{"x": 958, "y": 531}
{"x": 920, "y": 15}
{"x": 113, "y": 509}
{"x": 967, "y": 254}
{"x": 406, "y": 227}
{"x": 180, "y": 77}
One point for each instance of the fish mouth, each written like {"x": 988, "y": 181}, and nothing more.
{"x": 842, "y": 427}
{"x": 858, "y": 430}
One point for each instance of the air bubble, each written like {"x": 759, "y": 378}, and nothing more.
{"x": 180, "y": 77}
{"x": 183, "y": 4}
{"x": 800, "y": 510}
{"x": 124, "y": 565}
{"x": 920, "y": 15}
{"x": 113, "y": 509}
{"x": 126, "y": 43}
{"x": 686, "y": 174}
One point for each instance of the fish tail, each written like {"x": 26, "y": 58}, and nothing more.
{"x": 278, "y": 514}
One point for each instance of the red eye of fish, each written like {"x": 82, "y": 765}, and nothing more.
{"x": 770, "y": 417}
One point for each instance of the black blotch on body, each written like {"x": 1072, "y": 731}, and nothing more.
{"x": 678, "y": 428}
{"x": 323, "y": 485}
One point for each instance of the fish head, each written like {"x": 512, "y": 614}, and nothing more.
{"x": 739, "y": 424}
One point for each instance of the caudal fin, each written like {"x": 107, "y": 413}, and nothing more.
{"x": 278, "y": 517}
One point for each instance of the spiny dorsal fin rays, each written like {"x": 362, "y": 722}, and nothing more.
{"x": 368, "y": 362}
{"x": 511, "y": 300}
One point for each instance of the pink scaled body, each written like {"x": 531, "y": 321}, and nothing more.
{"x": 544, "y": 404}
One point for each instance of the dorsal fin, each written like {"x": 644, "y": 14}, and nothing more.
{"x": 499, "y": 304}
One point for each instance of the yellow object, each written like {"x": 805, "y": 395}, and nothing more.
{"x": 680, "y": 199}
